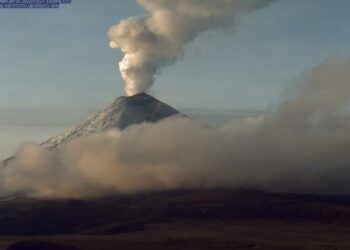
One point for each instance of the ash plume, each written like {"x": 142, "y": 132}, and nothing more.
{"x": 158, "y": 39}
{"x": 302, "y": 148}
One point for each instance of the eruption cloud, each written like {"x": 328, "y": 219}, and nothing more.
{"x": 304, "y": 148}
{"x": 157, "y": 40}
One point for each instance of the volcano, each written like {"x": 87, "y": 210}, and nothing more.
{"x": 123, "y": 112}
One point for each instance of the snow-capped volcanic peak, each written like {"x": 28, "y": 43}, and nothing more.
{"x": 124, "y": 111}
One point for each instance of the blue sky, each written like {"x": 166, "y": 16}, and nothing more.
{"x": 59, "y": 62}
{"x": 61, "y": 57}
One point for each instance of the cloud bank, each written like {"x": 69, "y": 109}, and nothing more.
{"x": 304, "y": 147}
{"x": 157, "y": 40}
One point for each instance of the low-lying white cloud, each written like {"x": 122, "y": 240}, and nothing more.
{"x": 304, "y": 147}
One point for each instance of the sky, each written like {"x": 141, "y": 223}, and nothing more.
{"x": 57, "y": 67}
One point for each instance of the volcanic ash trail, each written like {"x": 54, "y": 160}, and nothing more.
{"x": 157, "y": 40}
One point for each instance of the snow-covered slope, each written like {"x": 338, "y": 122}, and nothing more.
{"x": 124, "y": 111}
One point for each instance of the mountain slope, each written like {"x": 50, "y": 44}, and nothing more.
{"x": 123, "y": 112}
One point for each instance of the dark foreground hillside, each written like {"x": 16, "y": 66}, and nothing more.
{"x": 200, "y": 219}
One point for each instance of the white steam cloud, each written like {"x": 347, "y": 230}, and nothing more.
{"x": 157, "y": 40}
{"x": 304, "y": 147}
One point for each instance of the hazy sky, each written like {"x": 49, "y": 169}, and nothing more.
{"x": 61, "y": 57}
{"x": 59, "y": 62}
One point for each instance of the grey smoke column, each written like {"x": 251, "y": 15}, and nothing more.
{"x": 158, "y": 39}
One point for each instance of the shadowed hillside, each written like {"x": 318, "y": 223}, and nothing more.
{"x": 119, "y": 214}
{"x": 197, "y": 219}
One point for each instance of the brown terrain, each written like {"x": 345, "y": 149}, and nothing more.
{"x": 197, "y": 219}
